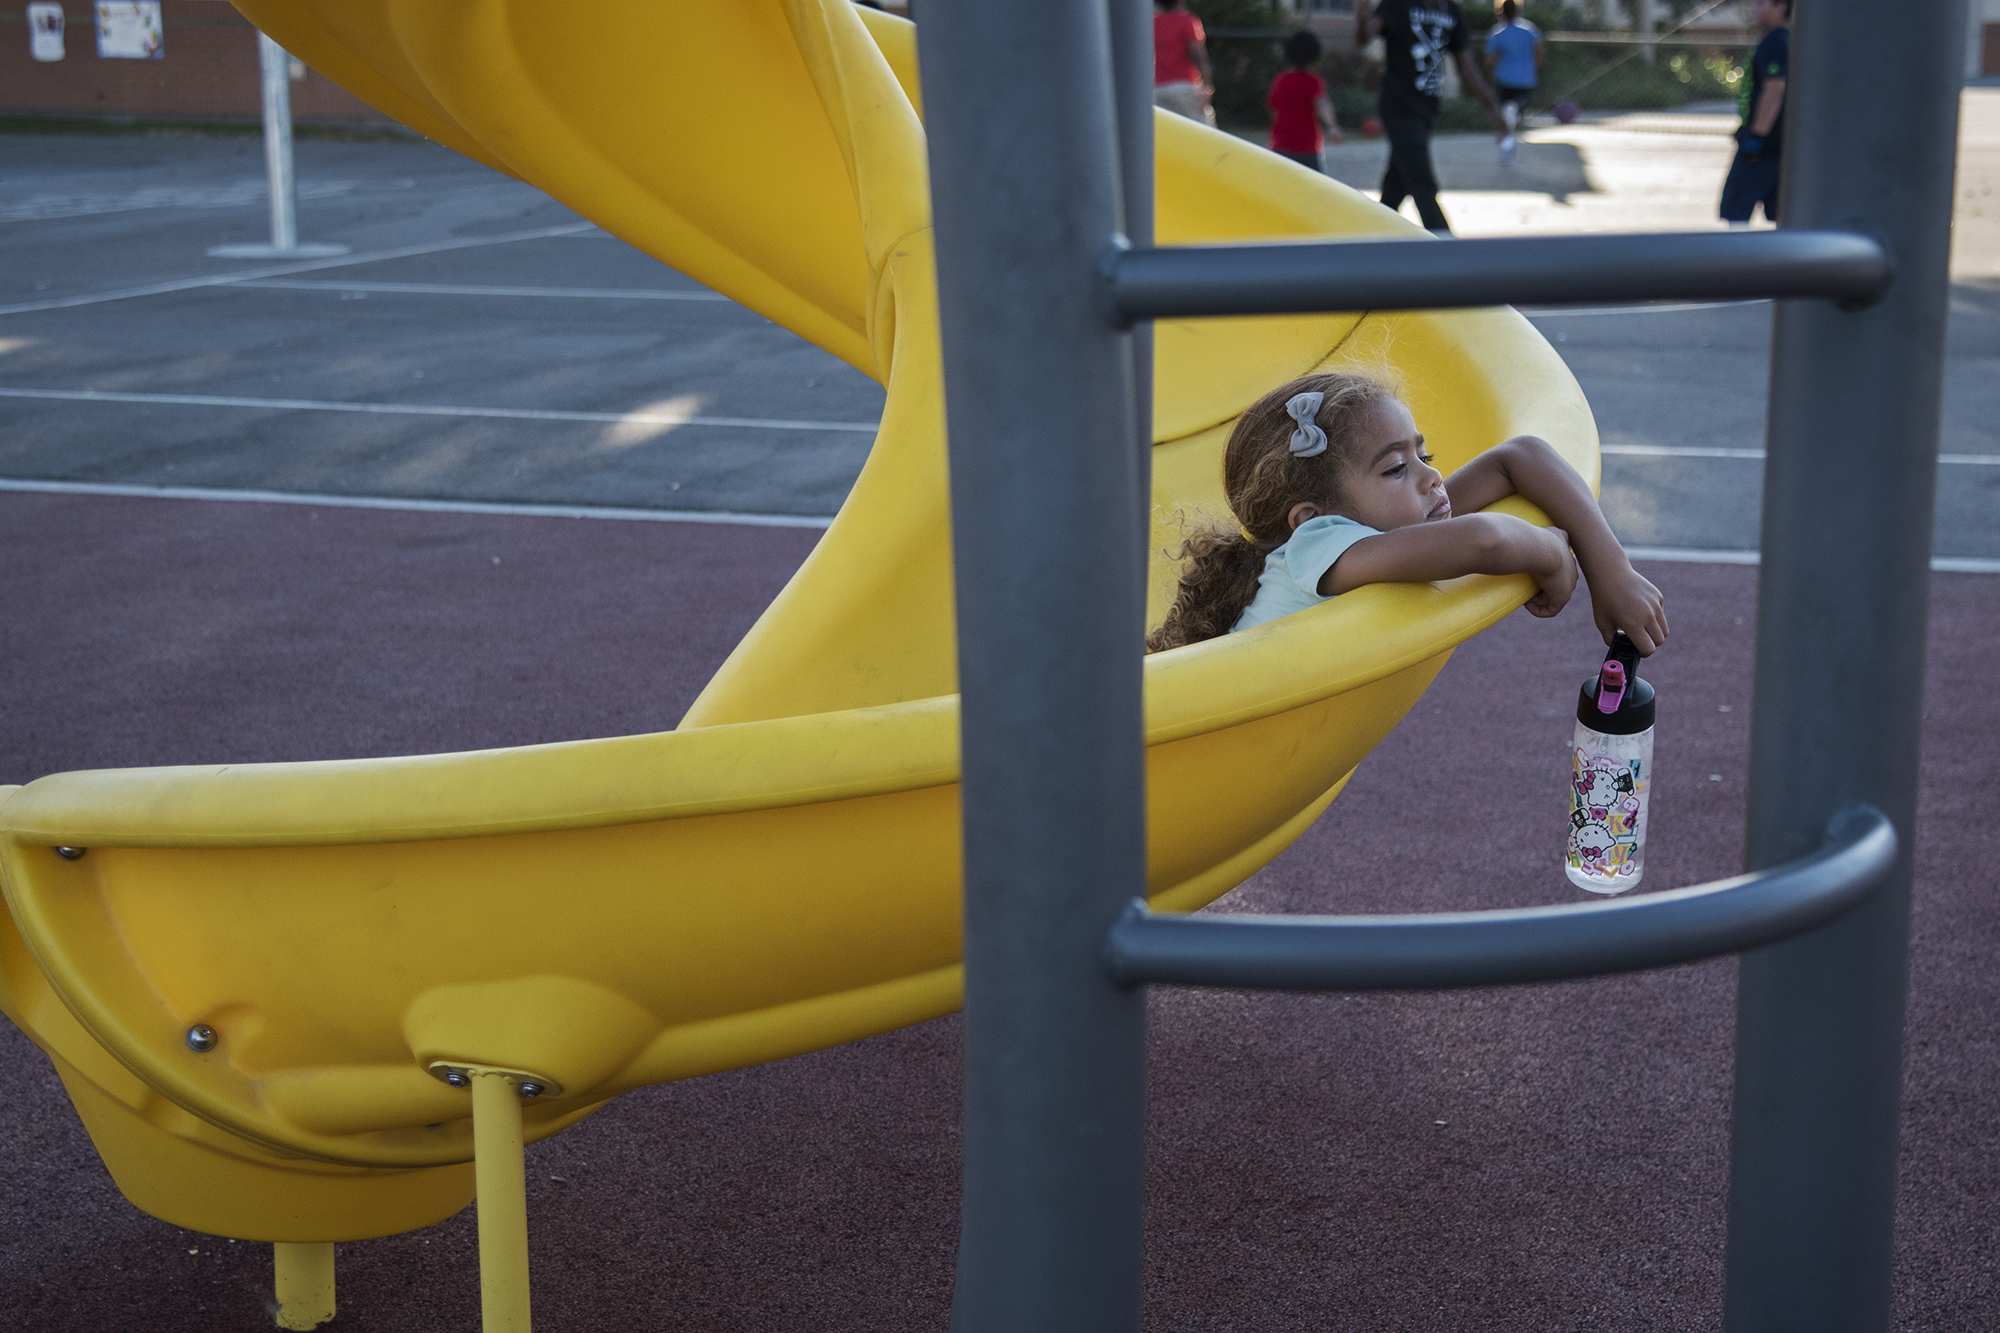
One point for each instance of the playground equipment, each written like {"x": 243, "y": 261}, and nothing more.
{"x": 308, "y": 1002}
{"x": 1038, "y": 307}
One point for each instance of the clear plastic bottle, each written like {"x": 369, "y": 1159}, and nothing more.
{"x": 1611, "y": 772}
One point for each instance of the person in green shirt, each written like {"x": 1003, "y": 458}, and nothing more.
{"x": 1753, "y": 176}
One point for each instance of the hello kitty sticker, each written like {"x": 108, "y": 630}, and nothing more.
{"x": 1606, "y": 816}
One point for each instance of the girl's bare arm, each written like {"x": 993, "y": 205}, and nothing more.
{"x": 1451, "y": 547}
{"x": 1526, "y": 466}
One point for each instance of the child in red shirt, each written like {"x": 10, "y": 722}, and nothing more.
{"x": 1299, "y": 105}
{"x": 1183, "y": 81}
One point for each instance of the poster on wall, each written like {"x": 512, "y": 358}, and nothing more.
{"x": 45, "y": 31}
{"x": 130, "y": 30}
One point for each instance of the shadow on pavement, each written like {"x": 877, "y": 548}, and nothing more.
{"x": 1472, "y": 162}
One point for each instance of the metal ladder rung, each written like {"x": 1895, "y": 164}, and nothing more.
{"x": 1412, "y": 274}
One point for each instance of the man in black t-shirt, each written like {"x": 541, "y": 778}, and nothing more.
{"x": 1753, "y": 176}
{"x": 1417, "y": 36}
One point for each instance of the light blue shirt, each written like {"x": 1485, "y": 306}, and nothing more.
{"x": 1515, "y": 44}
{"x": 1290, "y": 581}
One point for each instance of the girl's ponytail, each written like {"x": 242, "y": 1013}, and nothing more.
{"x": 1219, "y": 580}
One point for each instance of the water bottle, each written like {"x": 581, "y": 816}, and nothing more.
{"x": 1613, "y": 769}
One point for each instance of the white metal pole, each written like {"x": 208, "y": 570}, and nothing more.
{"x": 275, "y": 65}
{"x": 277, "y": 68}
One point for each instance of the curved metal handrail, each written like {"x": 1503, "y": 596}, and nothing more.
{"x": 1452, "y": 949}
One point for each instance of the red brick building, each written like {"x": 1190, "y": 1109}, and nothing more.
{"x": 207, "y": 71}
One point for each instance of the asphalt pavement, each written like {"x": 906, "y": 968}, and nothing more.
{"x": 481, "y": 343}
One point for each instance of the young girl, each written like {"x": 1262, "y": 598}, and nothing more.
{"x": 1330, "y": 481}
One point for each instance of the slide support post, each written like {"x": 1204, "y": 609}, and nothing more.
{"x": 303, "y": 1273}
{"x": 1049, "y": 552}
{"x": 498, "y": 1170}
{"x": 1849, "y": 490}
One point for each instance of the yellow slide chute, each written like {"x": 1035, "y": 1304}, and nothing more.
{"x": 781, "y": 873}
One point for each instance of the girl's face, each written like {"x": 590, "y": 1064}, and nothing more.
{"x": 1391, "y": 483}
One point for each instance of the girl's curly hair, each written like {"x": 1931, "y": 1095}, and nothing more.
{"x": 1263, "y": 480}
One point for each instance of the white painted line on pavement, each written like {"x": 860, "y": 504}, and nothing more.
{"x": 437, "y": 410}
{"x": 236, "y": 194}
{"x": 1711, "y": 451}
{"x": 1677, "y": 451}
{"x": 745, "y": 423}
{"x": 418, "y": 506}
{"x": 450, "y": 289}
{"x": 1948, "y": 564}
{"x": 1687, "y": 555}
{"x": 286, "y": 270}
{"x": 1558, "y": 312}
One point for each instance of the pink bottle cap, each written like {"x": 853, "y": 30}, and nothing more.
{"x": 1611, "y": 686}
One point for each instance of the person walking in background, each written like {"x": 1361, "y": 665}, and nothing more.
{"x": 1182, "y": 80}
{"x": 1302, "y": 120}
{"x": 1514, "y": 55}
{"x": 1753, "y": 176}
{"x": 1417, "y": 35}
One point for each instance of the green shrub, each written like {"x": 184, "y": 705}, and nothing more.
{"x": 1552, "y": 16}
{"x": 1617, "y": 77}
{"x": 1244, "y": 64}
{"x": 1351, "y": 105}
{"x": 1463, "y": 115}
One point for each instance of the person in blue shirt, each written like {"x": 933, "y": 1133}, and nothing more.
{"x": 1514, "y": 55}
{"x": 1753, "y": 176}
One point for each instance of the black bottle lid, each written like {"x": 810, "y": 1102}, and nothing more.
{"x": 1617, "y": 686}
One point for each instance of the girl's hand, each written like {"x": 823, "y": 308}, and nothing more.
{"x": 1557, "y": 578}
{"x": 1621, "y": 598}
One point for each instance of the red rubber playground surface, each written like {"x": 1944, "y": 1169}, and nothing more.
{"x": 1545, "y": 1157}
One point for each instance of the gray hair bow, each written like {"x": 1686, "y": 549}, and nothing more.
{"x": 1308, "y": 441}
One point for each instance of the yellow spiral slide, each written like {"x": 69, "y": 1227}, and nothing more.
{"x": 364, "y": 940}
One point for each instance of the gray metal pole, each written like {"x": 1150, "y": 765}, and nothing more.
{"x": 1051, "y": 603}
{"x": 1132, "y": 86}
{"x": 1842, "y": 608}
{"x": 276, "y": 65}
